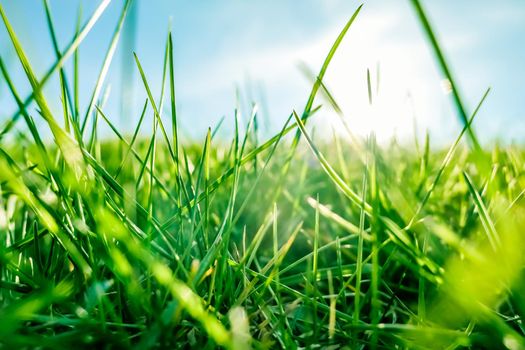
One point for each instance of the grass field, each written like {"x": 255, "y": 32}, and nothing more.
{"x": 289, "y": 241}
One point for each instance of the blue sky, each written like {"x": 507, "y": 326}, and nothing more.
{"x": 256, "y": 46}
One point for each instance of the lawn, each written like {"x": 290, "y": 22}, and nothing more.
{"x": 147, "y": 240}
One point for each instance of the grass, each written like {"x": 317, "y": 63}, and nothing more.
{"x": 145, "y": 241}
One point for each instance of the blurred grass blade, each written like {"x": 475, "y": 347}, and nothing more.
{"x": 438, "y": 52}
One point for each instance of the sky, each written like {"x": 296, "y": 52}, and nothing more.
{"x": 252, "y": 51}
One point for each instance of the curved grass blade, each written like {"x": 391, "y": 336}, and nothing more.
{"x": 69, "y": 148}
{"x": 71, "y": 48}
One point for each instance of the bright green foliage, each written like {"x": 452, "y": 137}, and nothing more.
{"x": 144, "y": 241}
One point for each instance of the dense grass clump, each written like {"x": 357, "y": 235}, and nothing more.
{"x": 144, "y": 241}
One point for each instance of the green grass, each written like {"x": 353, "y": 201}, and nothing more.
{"x": 145, "y": 241}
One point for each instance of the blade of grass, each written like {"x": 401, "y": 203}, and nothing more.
{"x": 359, "y": 261}
{"x": 488, "y": 225}
{"x": 354, "y": 197}
{"x": 438, "y": 53}
{"x": 71, "y": 48}
{"x": 446, "y": 161}
{"x": 108, "y": 58}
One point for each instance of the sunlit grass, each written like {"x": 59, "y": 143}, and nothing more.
{"x": 145, "y": 241}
